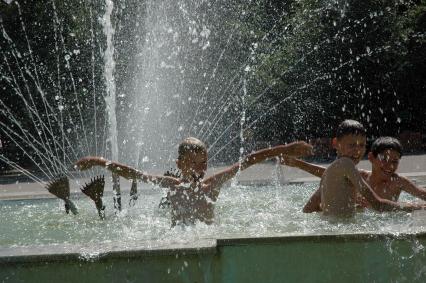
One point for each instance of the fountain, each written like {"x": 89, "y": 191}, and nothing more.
{"x": 128, "y": 80}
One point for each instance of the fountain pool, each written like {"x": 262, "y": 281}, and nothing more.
{"x": 128, "y": 80}
{"x": 257, "y": 228}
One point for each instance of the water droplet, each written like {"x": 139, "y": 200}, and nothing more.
{"x": 205, "y": 46}
{"x": 205, "y": 32}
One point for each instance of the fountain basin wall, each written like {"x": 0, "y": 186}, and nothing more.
{"x": 308, "y": 258}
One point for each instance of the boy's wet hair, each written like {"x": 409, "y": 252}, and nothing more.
{"x": 191, "y": 144}
{"x": 350, "y": 127}
{"x": 382, "y": 144}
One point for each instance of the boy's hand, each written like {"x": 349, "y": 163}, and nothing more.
{"x": 300, "y": 148}
{"x": 288, "y": 160}
{"x": 88, "y": 162}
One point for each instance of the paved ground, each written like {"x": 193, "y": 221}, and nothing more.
{"x": 412, "y": 166}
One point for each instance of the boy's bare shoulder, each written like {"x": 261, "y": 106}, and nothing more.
{"x": 344, "y": 160}
{"x": 341, "y": 162}
{"x": 339, "y": 167}
{"x": 400, "y": 180}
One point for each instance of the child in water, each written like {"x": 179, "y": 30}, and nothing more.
{"x": 384, "y": 156}
{"x": 192, "y": 196}
{"x": 342, "y": 185}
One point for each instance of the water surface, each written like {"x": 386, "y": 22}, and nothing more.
{"x": 241, "y": 211}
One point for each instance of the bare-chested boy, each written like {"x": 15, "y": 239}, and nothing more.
{"x": 191, "y": 196}
{"x": 342, "y": 185}
{"x": 384, "y": 156}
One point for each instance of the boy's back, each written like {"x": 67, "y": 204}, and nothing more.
{"x": 338, "y": 194}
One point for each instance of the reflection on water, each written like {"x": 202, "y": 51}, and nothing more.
{"x": 241, "y": 211}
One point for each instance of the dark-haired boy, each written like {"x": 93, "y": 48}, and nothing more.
{"x": 191, "y": 196}
{"x": 384, "y": 156}
{"x": 342, "y": 185}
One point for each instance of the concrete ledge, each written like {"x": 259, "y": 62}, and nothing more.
{"x": 66, "y": 252}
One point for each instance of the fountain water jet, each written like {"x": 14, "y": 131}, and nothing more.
{"x": 111, "y": 98}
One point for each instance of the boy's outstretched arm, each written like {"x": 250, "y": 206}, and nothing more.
{"x": 125, "y": 171}
{"x": 313, "y": 169}
{"x": 376, "y": 202}
{"x": 412, "y": 189}
{"x": 314, "y": 202}
{"x": 293, "y": 149}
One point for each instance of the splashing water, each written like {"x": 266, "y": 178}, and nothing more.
{"x": 241, "y": 211}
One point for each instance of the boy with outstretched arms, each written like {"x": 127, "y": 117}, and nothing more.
{"x": 192, "y": 196}
{"x": 342, "y": 185}
{"x": 384, "y": 156}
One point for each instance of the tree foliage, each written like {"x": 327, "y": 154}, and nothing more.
{"x": 325, "y": 61}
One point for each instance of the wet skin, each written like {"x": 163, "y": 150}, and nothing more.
{"x": 193, "y": 199}
{"x": 338, "y": 195}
